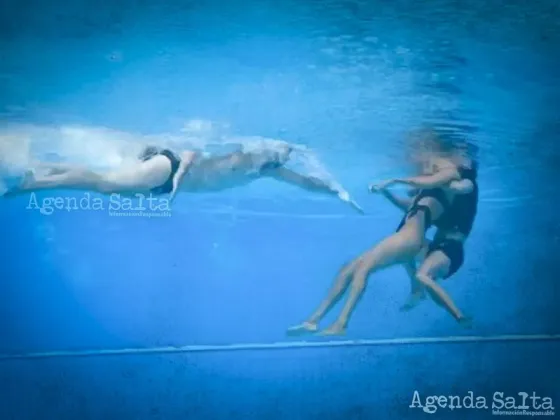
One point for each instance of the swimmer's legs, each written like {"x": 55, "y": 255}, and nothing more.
{"x": 437, "y": 266}
{"x": 80, "y": 179}
{"x": 396, "y": 249}
{"x": 338, "y": 288}
{"x": 140, "y": 178}
{"x": 308, "y": 183}
{"x": 417, "y": 291}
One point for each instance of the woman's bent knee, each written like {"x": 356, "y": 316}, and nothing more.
{"x": 424, "y": 279}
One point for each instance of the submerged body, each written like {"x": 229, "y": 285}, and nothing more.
{"x": 218, "y": 173}
{"x": 446, "y": 254}
{"x": 428, "y": 208}
{"x": 161, "y": 171}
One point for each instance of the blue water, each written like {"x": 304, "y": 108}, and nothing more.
{"x": 88, "y": 83}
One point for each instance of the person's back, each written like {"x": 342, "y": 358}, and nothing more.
{"x": 216, "y": 173}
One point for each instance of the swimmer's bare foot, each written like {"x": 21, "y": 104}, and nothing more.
{"x": 303, "y": 328}
{"x": 413, "y": 301}
{"x": 12, "y": 192}
{"x": 334, "y": 329}
{"x": 27, "y": 179}
{"x": 466, "y": 322}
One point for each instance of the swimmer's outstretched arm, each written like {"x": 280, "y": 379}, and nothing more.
{"x": 463, "y": 186}
{"x": 439, "y": 179}
{"x": 310, "y": 183}
{"x": 187, "y": 159}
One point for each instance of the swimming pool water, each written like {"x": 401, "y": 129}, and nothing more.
{"x": 346, "y": 80}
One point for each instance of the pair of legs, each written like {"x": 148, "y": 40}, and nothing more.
{"x": 399, "y": 248}
{"x": 436, "y": 266}
{"x": 138, "y": 178}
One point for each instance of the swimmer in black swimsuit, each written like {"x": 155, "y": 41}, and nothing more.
{"x": 445, "y": 254}
{"x": 158, "y": 171}
{"x": 402, "y": 246}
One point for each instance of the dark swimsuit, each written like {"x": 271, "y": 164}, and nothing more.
{"x": 460, "y": 217}
{"x": 453, "y": 249}
{"x": 166, "y": 187}
{"x": 436, "y": 193}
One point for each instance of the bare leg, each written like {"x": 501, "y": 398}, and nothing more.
{"x": 312, "y": 184}
{"x": 417, "y": 292}
{"x": 140, "y": 178}
{"x": 338, "y": 288}
{"x": 58, "y": 178}
{"x": 437, "y": 266}
{"x": 398, "y": 248}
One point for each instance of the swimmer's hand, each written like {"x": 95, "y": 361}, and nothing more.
{"x": 345, "y": 196}
{"x": 356, "y": 207}
{"x": 187, "y": 159}
{"x": 436, "y": 180}
{"x": 377, "y": 188}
